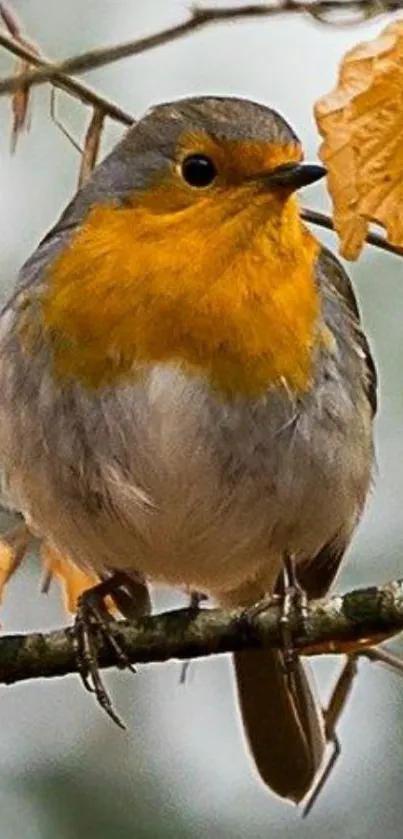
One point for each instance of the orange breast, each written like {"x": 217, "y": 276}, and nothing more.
{"x": 225, "y": 287}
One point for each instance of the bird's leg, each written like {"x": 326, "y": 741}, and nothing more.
{"x": 295, "y": 601}
{"x": 195, "y": 598}
{"x": 292, "y": 599}
{"x": 132, "y": 596}
{"x": 93, "y": 619}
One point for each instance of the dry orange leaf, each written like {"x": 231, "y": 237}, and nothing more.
{"x": 72, "y": 580}
{"x": 20, "y": 105}
{"x": 14, "y": 547}
{"x": 20, "y": 99}
{"x": 91, "y": 146}
{"x": 361, "y": 122}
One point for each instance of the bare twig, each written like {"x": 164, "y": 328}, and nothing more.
{"x": 58, "y": 122}
{"x": 57, "y": 74}
{"x": 332, "y": 626}
{"x": 75, "y": 88}
{"x": 323, "y": 220}
{"x": 199, "y": 19}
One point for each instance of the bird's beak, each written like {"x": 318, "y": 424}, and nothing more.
{"x": 293, "y": 176}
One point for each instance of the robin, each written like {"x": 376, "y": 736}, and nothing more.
{"x": 187, "y": 395}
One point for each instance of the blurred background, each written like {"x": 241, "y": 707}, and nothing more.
{"x": 181, "y": 769}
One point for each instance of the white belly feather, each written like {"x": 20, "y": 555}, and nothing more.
{"x": 170, "y": 480}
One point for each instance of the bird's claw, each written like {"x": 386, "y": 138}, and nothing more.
{"x": 92, "y": 622}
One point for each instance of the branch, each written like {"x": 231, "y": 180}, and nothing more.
{"x": 323, "y": 220}
{"x": 340, "y": 624}
{"x": 57, "y": 73}
{"x": 320, "y": 10}
{"x": 78, "y": 89}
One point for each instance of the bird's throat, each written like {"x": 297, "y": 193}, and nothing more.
{"x": 239, "y": 309}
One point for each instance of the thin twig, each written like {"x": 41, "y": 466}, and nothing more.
{"x": 59, "y": 124}
{"x": 331, "y": 626}
{"x": 78, "y": 89}
{"x": 199, "y": 19}
{"x": 322, "y": 220}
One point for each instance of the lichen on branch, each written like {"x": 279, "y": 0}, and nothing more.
{"x": 343, "y": 623}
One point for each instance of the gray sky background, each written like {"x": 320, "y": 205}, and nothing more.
{"x": 63, "y": 767}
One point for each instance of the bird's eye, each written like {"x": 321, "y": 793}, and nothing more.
{"x": 198, "y": 170}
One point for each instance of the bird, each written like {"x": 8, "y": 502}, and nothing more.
{"x": 187, "y": 394}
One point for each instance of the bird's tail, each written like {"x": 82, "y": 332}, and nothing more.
{"x": 283, "y": 721}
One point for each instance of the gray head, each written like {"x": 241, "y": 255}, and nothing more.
{"x": 220, "y": 118}
{"x": 157, "y": 140}
{"x": 227, "y": 141}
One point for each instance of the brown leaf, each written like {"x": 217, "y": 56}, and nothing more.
{"x": 13, "y": 548}
{"x": 20, "y": 99}
{"x": 361, "y": 122}
{"x": 91, "y": 146}
{"x": 20, "y": 105}
{"x": 6, "y": 566}
{"x": 72, "y": 580}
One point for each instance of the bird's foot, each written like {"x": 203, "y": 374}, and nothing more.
{"x": 93, "y": 622}
{"x": 294, "y": 605}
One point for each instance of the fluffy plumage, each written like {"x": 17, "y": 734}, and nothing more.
{"x": 160, "y": 468}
